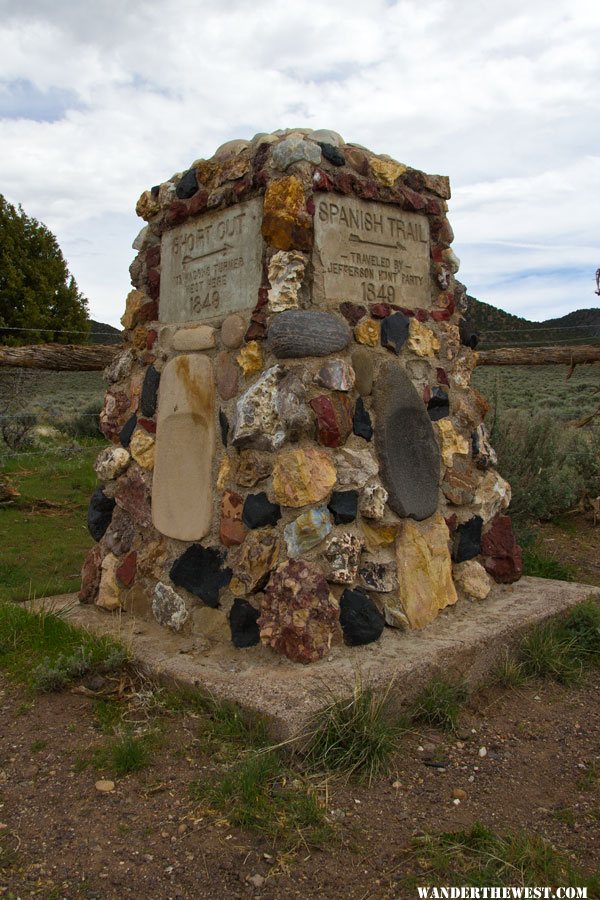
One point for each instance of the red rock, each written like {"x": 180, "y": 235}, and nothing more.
{"x": 90, "y": 575}
{"x": 405, "y": 310}
{"x": 501, "y": 553}
{"x": 321, "y": 181}
{"x": 227, "y": 374}
{"x": 242, "y": 186}
{"x": 126, "y": 571}
{"x": 451, "y": 522}
{"x": 369, "y": 190}
{"x": 436, "y": 253}
{"x": 232, "y": 529}
{"x": 434, "y": 207}
{"x": 421, "y": 315}
{"x": 412, "y": 200}
{"x": 299, "y": 617}
{"x": 334, "y": 419}
{"x": 114, "y": 413}
{"x": 177, "y": 212}
{"x": 310, "y": 206}
{"x": 150, "y": 338}
{"x": 426, "y": 393}
{"x": 153, "y": 256}
{"x": 148, "y": 425}
{"x": 352, "y": 312}
{"x": 133, "y": 496}
{"x": 344, "y": 183}
{"x": 441, "y": 377}
{"x": 198, "y": 203}
{"x": 153, "y": 285}
{"x": 440, "y": 315}
{"x": 380, "y": 310}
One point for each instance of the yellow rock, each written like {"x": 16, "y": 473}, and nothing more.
{"x": 471, "y": 579}
{"x": 224, "y": 473}
{"x": 421, "y": 339}
{"x": 387, "y": 170}
{"x": 378, "y": 536}
{"x": 301, "y": 477}
{"x": 133, "y": 303}
{"x": 451, "y": 441}
{"x": 367, "y": 332}
{"x": 147, "y": 206}
{"x": 285, "y": 223}
{"x": 109, "y": 594}
{"x": 425, "y": 583}
{"x": 250, "y": 358}
{"x": 142, "y": 448}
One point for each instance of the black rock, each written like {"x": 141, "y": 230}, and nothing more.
{"x": 360, "y": 619}
{"x": 439, "y": 405}
{"x": 332, "y": 154}
{"x": 188, "y": 185}
{"x": 259, "y": 511}
{"x": 394, "y": 331}
{"x": 224, "y": 425}
{"x": 361, "y": 422}
{"x": 468, "y": 336}
{"x": 155, "y": 190}
{"x": 343, "y": 506}
{"x": 200, "y": 571}
{"x": 305, "y": 332}
{"x": 467, "y": 540}
{"x": 243, "y": 621}
{"x": 149, "y": 392}
{"x": 99, "y": 514}
{"x": 408, "y": 452}
{"x": 127, "y": 431}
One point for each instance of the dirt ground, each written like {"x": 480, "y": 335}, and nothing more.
{"x": 574, "y": 541}
{"x": 148, "y": 838}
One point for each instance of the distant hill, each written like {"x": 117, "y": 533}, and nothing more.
{"x": 104, "y": 334}
{"x": 503, "y": 329}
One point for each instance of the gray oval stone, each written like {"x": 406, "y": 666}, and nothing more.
{"x": 304, "y": 332}
{"x": 408, "y": 452}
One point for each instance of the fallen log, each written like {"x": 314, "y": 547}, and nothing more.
{"x": 540, "y": 356}
{"x": 60, "y": 357}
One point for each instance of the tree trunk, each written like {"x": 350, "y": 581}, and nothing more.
{"x": 60, "y": 357}
{"x": 539, "y": 356}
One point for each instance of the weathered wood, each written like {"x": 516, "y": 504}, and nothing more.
{"x": 540, "y": 356}
{"x": 60, "y": 357}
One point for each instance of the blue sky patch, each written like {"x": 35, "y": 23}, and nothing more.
{"x": 20, "y": 99}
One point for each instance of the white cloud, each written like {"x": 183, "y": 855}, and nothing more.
{"x": 502, "y": 97}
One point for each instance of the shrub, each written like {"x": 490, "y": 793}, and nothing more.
{"x": 550, "y": 468}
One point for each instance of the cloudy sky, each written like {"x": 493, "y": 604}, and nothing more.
{"x": 100, "y": 100}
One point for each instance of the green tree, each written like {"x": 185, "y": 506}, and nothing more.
{"x": 37, "y": 291}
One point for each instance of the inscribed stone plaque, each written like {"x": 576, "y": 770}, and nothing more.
{"x": 212, "y": 265}
{"x": 370, "y": 253}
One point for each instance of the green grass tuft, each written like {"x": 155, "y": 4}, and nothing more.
{"x": 46, "y": 653}
{"x": 354, "y": 737}
{"x": 562, "y": 649}
{"x": 538, "y": 565}
{"x": 259, "y": 794}
{"x": 478, "y": 857}
{"x": 440, "y": 704}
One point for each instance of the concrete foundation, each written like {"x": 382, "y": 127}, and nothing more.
{"x": 465, "y": 642}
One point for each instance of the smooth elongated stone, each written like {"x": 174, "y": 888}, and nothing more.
{"x": 185, "y": 444}
{"x": 304, "y": 332}
{"x": 409, "y": 457}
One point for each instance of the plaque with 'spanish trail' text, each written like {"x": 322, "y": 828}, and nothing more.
{"x": 212, "y": 265}
{"x": 370, "y": 253}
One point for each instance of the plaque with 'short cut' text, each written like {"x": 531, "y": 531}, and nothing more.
{"x": 211, "y": 266}
{"x": 370, "y": 253}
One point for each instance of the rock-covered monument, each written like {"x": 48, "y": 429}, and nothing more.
{"x": 297, "y": 456}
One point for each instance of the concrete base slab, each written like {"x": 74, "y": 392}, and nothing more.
{"x": 465, "y": 642}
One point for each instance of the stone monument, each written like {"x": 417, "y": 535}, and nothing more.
{"x": 297, "y": 458}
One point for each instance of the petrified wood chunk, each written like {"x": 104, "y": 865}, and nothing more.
{"x": 304, "y": 332}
